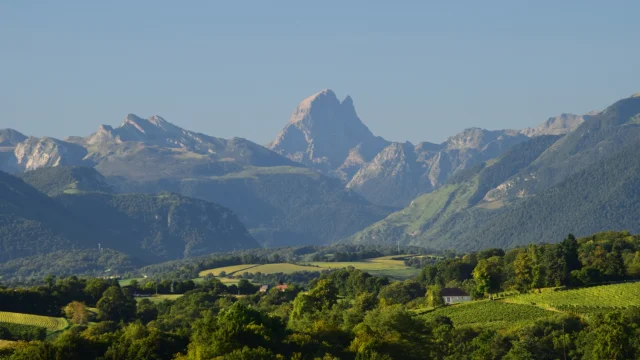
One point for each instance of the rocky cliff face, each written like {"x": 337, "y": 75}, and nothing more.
{"x": 327, "y": 135}
{"x": 401, "y": 172}
{"x": 35, "y": 153}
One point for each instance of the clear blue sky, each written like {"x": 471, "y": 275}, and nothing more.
{"x": 417, "y": 70}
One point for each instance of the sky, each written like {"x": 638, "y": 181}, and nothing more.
{"x": 416, "y": 70}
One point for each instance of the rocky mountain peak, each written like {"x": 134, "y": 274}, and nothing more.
{"x": 558, "y": 125}
{"x": 322, "y": 132}
{"x": 10, "y": 137}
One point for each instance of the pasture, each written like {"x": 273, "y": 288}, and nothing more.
{"x": 48, "y": 322}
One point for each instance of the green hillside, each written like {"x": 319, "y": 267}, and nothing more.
{"x": 150, "y": 227}
{"x": 602, "y": 197}
{"x": 585, "y": 182}
{"x": 428, "y": 218}
{"x": 598, "y": 138}
{"x": 31, "y": 222}
{"x": 281, "y": 206}
{"x": 65, "y": 179}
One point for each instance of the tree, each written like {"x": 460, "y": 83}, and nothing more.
{"x": 231, "y": 330}
{"x": 611, "y": 338}
{"x": 488, "y": 274}
{"x": 434, "y": 296}
{"x": 94, "y": 289}
{"x": 115, "y": 305}
{"x": 523, "y": 268}
{"x": 146, "y": 311}
{"x": 401, "y": 292}
{"x": 50, "y": 280}
{"x": 77, "y": 312}
{"x": 614, "y": 267}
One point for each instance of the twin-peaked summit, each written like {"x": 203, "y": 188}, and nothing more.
{"x": 326, "y": 133}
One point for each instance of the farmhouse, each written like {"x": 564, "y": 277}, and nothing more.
{"x": 282, "y": 287}
{"x": 264, "y": 288}
{"x": 455, "y": 295}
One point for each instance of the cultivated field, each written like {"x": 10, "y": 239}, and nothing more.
{"x": 522, "y": 309}
{"x": 50, "y": 323}
{"x": 160, "y": 297}
{"x": 127, "y": 282}
{"x": 229, "y": 270}
{"x": 6, "y": 343}
{"x": 490, "y": 314}
{"x": 382, "y": 266}
{"x": 585, "y": 300}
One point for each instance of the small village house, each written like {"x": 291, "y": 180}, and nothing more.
{"x": 455, "y": 295}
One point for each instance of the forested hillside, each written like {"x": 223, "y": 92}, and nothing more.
{"x": 281, "y": 206}
{"x": 150, "y": 227}
{"x": 65, "y": 179}
{"x": 430, "y": 218}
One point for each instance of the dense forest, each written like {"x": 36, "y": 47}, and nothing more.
{"x": 341, "y": 314}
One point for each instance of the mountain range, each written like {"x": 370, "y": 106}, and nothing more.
{"x": 326, "y": 134}
{"x": 585, "y": 181}
{"x": 325, "y": 178}
{"x": 151, "y": 228}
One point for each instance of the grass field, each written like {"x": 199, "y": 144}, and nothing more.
{"x": 382, "y": 266}
{"x": 127, "y": 282}
{"x": 160, "y": 297}
{"x": 490, "y": 314}
{"x": 230, "y": 270}
{"x": 50, "y": 323}
{"x": 389, "y": 266}
{"x": 6, "y": 343}
{"x": 585, "y": 299}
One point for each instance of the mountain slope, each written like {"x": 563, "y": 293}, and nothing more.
{"x": 587, "y": 181}
{"x": 10, "y": 137}
{"x": 160, "y": 227}
{"x": 65, "y": 179}
{"x": 327, "y": 135}
{"x": 604, "y": 196}
{"x": 401, "y": 172}
{"x": 596, "y": 138}
{"x": 152, "y": 155}
{"x": 559, "y": 125}
{"x": 429, "y": 219}
{"x": 149, "y": 227}
{"x": 31, "y": 222}
{"x": 281, "y": 206}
